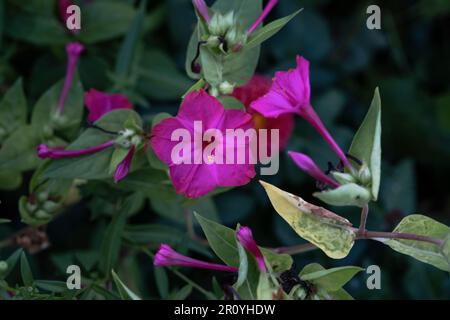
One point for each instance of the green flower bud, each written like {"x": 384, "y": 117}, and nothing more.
{"x": 42, "y": 215}
{"x": 213, "y": 41}
{"x": 214, "y": 91}
{"x": 364, "y": 175}
{"x": 50, "y": 206}
{"x": 3, "y": 266}
{"x": 226, "y": 87}
{"x": 136, "y": 140}
{"x": 220, "y": 24}
{"x": 343, "y": 178}
{"x": 42, "y": 196}
{"x": 31, "y": 207}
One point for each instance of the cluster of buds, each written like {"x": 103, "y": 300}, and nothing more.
{"x": 39, "y": 208}
{"x": 225, "y": 33}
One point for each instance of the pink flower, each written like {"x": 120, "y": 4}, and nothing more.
{"x": 194, "y": 179}
{"x": 45, "y": 151}
{"x": 254, "y": 89}
{"x": 100, "y": 103}
{"x": 124, "y": 166}
{"x": 74, "y": 50}
{"x": 290, "y": 94}
{"x": 263, "y": 15}
{"x": 202, "y": 8}
{"x": 245, "y": 237}
{"x": 310, "y": 167}
{"x": 166, "y": 256}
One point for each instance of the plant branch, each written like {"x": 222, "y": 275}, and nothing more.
{"x": 364, "y": 215}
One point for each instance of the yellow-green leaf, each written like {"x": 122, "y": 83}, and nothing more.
{"x": 328, "y": 231}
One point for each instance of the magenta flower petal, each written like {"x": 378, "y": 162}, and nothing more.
{"x": 262, "y": 16}
{"x": 74, "y": 50}
{"x": 202, "y": 8}
{"x": 197, "y": 179}
{"x": 166, "y": 256}
{"x": 124, "y": 166}
{"x": 99, "y": 103}
{"x": 245, "y": 237}
{"x": 309, "y": 166}
{"x": 257, "y": 87}
{"x": 45, "y": 151}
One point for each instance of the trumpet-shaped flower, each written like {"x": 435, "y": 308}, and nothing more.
{"x": 257, "y": 87}
{"x": 290, "y": 94}
{"x": 100, "y": 103}
{"x": 166, "y": 256}
{"x": 73, "y": 49}
{"x": 196, "y": 178}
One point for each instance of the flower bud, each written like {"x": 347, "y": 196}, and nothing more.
{"x": 220, "y": 24}
{"x": 31, "y": 207}
{"x": 364, "y": 175}
{"x": 3, "y": 266}
{"x": 50, "y": 206}
{"x": 343, "y": 178}
{"x": 42, "y": 196}
{"x": 213, "y": 42}
{"x": 214, "y": 91}
{"x": 41, "y": 214}
{"x": 226, "y": 87}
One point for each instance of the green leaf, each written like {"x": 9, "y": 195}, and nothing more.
{"x": 51, "y": 285}
{"x": 366, "y": 145}
{"x": 420, "y": 250}
{"x": 124, "y": 292}
{"x": 46, "y": 105}
{"x": 159, "y": 77}
{"x": 18, "y": 153}
{"x": 10, "y": 180}
{"x": 104, "y": 20}
{"x": 36, "y": 29}
{"x": 349, "y": 194}
{"x": 243, "y": 266}
{"x": 11, "y": 261}
{"x": 269, "y": 30}
{"x": 182, "y": 293}
{"x": 230, "y": 102}
{"x": 162, "y": 282}
{"x": 25, "y": 271}
{"x": 331, "y": 279}
{"x": 328, "y": 231}
{"x": 127, "y": 50}
{"x": 13, "y": 108}
{"x": 96, "y": 165}
{"x": 4, "y": 221}
{"x": 112, "y": 242}
{"x": 221, "y": 239}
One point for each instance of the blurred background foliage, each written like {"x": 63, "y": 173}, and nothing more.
{"x": 409, "y": 59}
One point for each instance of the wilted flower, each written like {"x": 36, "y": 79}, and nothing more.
{"x": 290, "y": 94}
{"x": 44, "y": 151}
{"x": 197, "y": 179}
{"x": 100, "y": 103}
{"x": 74, "y": 49}
{"x": 166, "y": 256}
{"x": 124, "y": 166}
{"x": 245, "y": 237}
